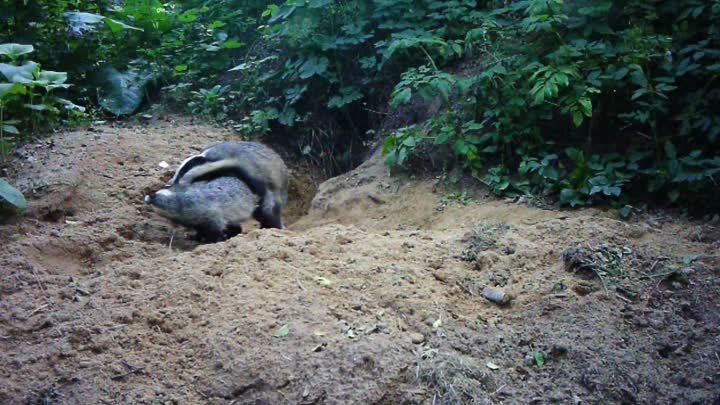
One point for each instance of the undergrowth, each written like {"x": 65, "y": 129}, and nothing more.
{"x": 584, "y": 102}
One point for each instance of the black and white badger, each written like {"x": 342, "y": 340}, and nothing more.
{"x": 215, "y": 208}
{"x": 261, "y": 168}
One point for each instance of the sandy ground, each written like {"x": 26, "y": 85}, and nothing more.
{"x": 372, "y": 296}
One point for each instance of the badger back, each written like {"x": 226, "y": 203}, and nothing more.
{"x": 256, "y": 164}
{"x": 225, "y": 200}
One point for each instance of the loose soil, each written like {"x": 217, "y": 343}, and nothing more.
{"x": 372, "y": 296}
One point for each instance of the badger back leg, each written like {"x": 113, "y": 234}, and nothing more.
{"x": 269, "y": 212}
{"x": 212, "y": 231}
{"x": 232, "y": 231}
{"x": 209, "y": 234}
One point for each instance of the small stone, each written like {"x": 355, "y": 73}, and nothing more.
{"x": 496, "y": 295}
{"x": 417, "y": 338}
{"x": 215, "y": 271}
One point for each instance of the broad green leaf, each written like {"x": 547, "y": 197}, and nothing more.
{"x": 576, "y": 155}
{"x": 313, "y": 66}
{"x": 41, "y": 107}
{"x": 11, "y": 88}
{"x": 14, "y": 50}
{"x": 270, "y": 10}
{"x": 11, "y": 129}
{"x": 625, "y": 211}
{"x": 282, "y": 332}
{"x": 53, "y": 77}
{"x": 116, "y": 26}
{"x": 621, "y": 73}
{"x": 577, "y": 118}
{"x": 18, "y": 74}
{"x": 401, "y": 97}
{"x": 82, "y": 21}
{"x": 216, "y": 24}
{"x": 181, "y": 68}
{"x": 188, "y": 16}
{"x": 281, "y": 13}
{"x": 586, "y": 106}
{"x": 12, "y": 201}
{"x": 569, "y": 197}
{"x": 69, "y": 105}
{"x": 121, "y": 93}
{"x": 347, "y": 95}
{"x": 232, "y": 44}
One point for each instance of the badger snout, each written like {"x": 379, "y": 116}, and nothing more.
{"x": 147, "y": 199}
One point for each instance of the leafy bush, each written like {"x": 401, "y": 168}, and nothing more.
{"x": 27, "y": 98}
{"x": 589, "y": 101}
{"x": 594, "y": 78}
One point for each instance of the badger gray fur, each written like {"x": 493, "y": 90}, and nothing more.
{"x": 216, "y": 208}
{"x": 261, "y": 168}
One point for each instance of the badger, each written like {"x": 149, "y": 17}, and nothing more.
{"x": 261, "y": 168}
{"x": 215, "y": 208}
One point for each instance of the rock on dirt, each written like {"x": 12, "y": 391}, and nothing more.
{"x": 417, "y": 338}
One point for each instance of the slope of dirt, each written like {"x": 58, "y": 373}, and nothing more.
{"x": 374, "y": 296}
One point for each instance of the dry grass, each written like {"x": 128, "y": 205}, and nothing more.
{"x": 454, "y": 379}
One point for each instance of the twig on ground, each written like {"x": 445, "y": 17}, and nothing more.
{"x": 132, "y": 370}
{"x": 172, "y": 236}
{"x": 297, "y": 280}
{"x": 38, "y": 309}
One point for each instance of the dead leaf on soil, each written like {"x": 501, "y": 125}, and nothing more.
{"x": 282, "y": 332}
{"x": 322, "y": 281}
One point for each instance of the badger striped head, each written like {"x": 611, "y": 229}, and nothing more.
{"x": 165, "y": 202}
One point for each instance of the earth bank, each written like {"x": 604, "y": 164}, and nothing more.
{"x": 372, "y": 296}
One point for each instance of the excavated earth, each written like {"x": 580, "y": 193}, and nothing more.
{"x": 374, "y": 295}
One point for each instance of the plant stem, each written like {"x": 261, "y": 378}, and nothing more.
{"x": 2, "y": 133}
{"x": 429, "y": 58}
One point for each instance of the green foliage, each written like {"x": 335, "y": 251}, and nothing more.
{"x": 587, "y": 102}
{"x": 626, "y": 90}
{"x": 207, "y": 101}
{"x": 27, "y": 98}
{"x": 121, "y": 93}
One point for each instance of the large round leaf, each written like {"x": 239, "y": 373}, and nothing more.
{"x": 12, "y": 201}
{"x": 121, "y": 93}
{"x": 15, "y": 50}
{"x": 81, "y": 22}
{"x": 17, "y": 74}
{"x": 53, "y": 77}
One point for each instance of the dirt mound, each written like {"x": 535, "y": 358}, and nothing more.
{"x": 374, "y": 297}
